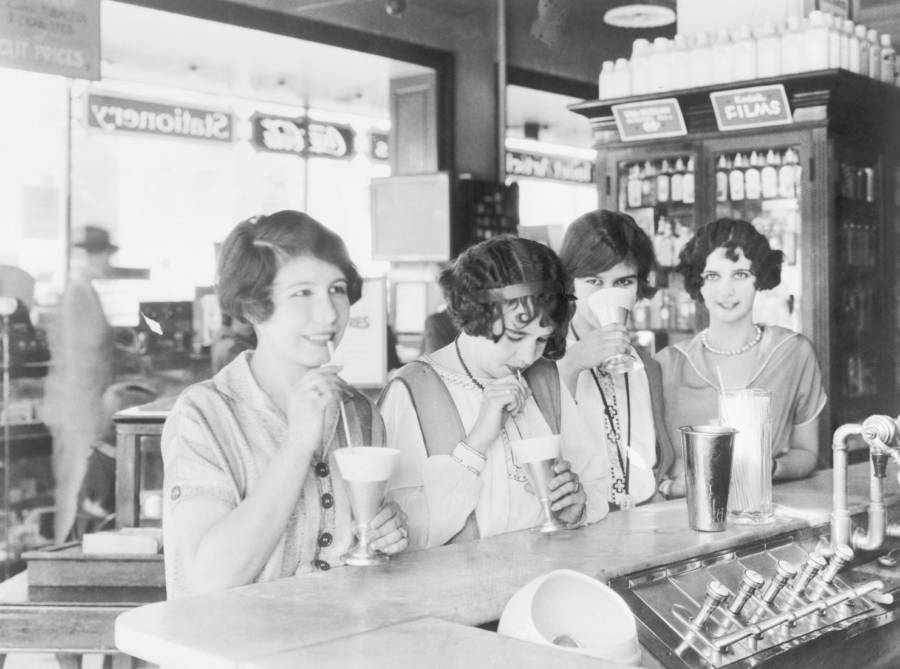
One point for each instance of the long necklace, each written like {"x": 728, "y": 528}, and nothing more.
{"x": 624, "y": 461}
{"x": 743, "y": 349}
{"x": 478, "y": 384}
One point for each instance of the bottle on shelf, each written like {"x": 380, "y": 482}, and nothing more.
{"x": 648, "y": 184}
{"x": 622, "y": 78}
{"x": 661, "y": 65}
{"x": 701, "y": 61}
{"x": 752, "y": 178}
{"x": 676, "y": 184}
{"x": 792, "y": 44}
{"x": 663, "y": 182}
{"x": 832, "y": 24}
{"x": 633, "y": 187}
{"x": 688, "y": 182}
{"x": 722, "y": 167}
{"x": 888, "y": 59}
{"x": 852, "y": 46}
{"x": 640, "y": 72}
{"x": 816, "y": 38}
{"x": 787, "y": 175}
{"x": 768, "y": 51}
{"x": 722, "y": 58}
{"x": 604, "y": 80}
{"x": 679, "y": 59}
{"x": 863, "y": 39}
{"x": 769, "y": 176}
{"x": 744, "y": 47}
{"x": 736, "y": 179}
{"x": 874, "y": 53}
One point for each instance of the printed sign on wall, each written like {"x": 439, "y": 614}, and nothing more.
{"x": 751, "y": 107}
{"x": 540, "y": 166}
{"x": 649, "y": 119}
{"x": 302, "y": 136}
{"x": 51, "y": 36}
{"x": 116, "y": 114}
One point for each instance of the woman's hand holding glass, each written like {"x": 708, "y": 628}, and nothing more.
{"x": 387, "y": 530}
{"x": 597, "y": 346}
{"x": 502, "y": 398}
{"x": 306, "y": 404}
{"x": 567, "y": 496}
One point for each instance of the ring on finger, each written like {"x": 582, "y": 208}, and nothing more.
{"x": 577, "y": 486}
{"x": 404, "y": 532}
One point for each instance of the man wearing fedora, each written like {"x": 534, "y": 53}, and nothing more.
{"x": 83, "y": 356}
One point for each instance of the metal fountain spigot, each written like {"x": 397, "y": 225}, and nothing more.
{"x": 882, "y": 435}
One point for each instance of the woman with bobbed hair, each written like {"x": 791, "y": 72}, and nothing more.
{"x": 251, "y": 489}
{"x": 724, "y": 265}
{"x": 606, "y": 249}
{"x": 453, "y": 412}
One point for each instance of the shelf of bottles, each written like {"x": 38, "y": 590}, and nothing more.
{"x": 763, "y": 187}
{"x": 659, "y": 194}
{"x": 858, "y": 256}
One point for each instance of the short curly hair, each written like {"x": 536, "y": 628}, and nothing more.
{"x": 599, "y": 240}
{"x": 506, "y": 261}
{"x": 729, "y": 234}
{"x": 257, "y": 248}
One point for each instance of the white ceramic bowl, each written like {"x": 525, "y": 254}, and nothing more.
{"x": 571, "y": 608}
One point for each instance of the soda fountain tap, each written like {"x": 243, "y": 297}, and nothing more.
{"x": 751, "y": 581}
{"x": 881, "y": 434}
{"x": 814, "y": 564}
{"x": 784, "y": 571}
{"x": 716, "y": 593}
{"x": 842, "y": 555}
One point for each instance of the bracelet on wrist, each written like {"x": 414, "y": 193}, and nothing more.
{"x": 473, "y": 451}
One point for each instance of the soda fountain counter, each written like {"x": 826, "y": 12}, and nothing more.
{"x": 787, "y": 605}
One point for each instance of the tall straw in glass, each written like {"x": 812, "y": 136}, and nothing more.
{"x": 748, "y": 411}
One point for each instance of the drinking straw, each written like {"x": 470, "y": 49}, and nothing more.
{"x": 515, "y": 424}
{"x": 721, "y": 381}
{"x": 341, "y": 402}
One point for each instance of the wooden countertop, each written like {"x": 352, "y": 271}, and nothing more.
{"x": 467, "y": 584}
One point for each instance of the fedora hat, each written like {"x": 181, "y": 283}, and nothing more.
{"x": 94, "y": 239}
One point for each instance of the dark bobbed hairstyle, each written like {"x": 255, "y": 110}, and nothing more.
{"x": 258, "y": 247}
{"x": 730, "y": 234}
{"x": 506, "y": 261}
{"x": 599, "y": 240}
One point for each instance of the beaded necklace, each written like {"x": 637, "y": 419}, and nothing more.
{"x": 743, "y": 349}
{"x": 478, "y": 384}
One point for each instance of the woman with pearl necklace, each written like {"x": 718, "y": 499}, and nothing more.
{"x": 725, "y": 265}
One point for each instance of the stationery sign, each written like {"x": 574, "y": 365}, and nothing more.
{"x": 649, "y": 119}
{"x": 538, "y": 166}
{"x": 115, "y": 114}
{"x": 51, "y": 36}
{"x": 302, "y": 136}
{"x": 751, "y": 107}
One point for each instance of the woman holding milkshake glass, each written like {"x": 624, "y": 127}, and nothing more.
{"x": 725, "y": 264}
{"x": 618, "y": 388}
{"x": 492, "y": 387}
{"x": 251, "y": 488}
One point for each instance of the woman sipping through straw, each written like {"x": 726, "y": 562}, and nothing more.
{"x": 724, "y": 266}
{"x": 454, "y": 413}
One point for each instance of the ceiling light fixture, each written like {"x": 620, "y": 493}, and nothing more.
{"x": 640, "y": 15}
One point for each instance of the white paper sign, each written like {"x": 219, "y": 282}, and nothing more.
{"x": 363, "y": 350}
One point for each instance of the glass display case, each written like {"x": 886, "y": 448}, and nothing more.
{"x": 815, "y": 188}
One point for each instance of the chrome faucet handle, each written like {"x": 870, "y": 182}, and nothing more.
{"x": 784, "y": 572}
{"x": 751, "y": 581}
{"x": 716, "y": 593}
{"x": 814, "y": 564}
{"x": 881, "y": 433}
{"x": 842, "y": 555}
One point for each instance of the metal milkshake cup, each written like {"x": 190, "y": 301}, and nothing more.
{"x": 708, "y": 452}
